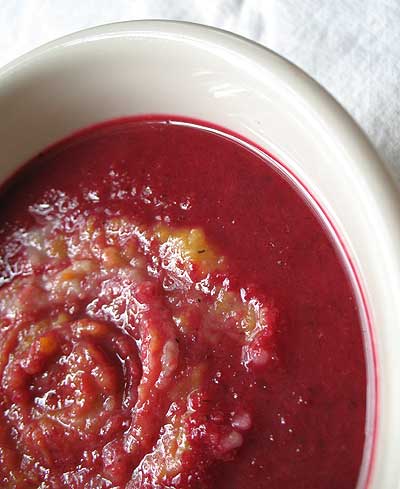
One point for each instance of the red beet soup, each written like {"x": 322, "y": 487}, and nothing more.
{"x": 173, "y": 314}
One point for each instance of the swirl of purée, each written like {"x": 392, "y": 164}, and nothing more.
{"x": 110, "y": 360}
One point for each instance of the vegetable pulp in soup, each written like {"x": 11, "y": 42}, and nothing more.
{"x": 172, "y": 315}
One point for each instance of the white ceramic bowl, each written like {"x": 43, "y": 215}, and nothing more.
{"x": 195, "y": 71}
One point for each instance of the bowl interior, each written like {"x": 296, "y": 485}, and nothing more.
{"x": 182, "y": 69}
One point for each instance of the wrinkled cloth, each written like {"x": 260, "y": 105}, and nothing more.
{"x": 352, "y": 47}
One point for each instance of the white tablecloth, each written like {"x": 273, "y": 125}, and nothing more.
{"x": 352, "y": 47}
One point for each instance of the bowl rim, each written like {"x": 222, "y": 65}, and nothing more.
{"x": 293, "y": 73}
{"x": 295, "y": 76}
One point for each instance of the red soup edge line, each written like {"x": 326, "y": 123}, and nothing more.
{"x": 352, "y": 270}
{"x": 280, "y": 166}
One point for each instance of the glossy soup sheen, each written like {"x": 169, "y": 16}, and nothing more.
{"x": 173, "y": 314}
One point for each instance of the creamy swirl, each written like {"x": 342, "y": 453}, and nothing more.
{"x": 110, "y": 356}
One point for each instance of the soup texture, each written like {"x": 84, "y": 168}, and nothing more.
{"x": 173, "y": 314}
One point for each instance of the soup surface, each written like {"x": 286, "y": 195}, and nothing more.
{"x": 172, "y": 315}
